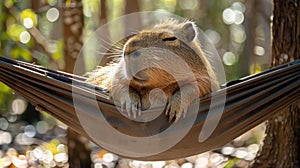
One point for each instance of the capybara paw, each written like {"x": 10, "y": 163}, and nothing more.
{"x": 130, "y": 104}
{"x": 176, "y": 108}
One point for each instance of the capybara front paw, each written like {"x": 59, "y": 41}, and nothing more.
{"x": 130, "y": 103}
{"x": 176, "y": 108}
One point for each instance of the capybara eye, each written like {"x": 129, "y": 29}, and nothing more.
{"x": 169, "y": 39}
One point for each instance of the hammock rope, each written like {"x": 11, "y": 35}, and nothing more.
{"x": 249, "y": 102}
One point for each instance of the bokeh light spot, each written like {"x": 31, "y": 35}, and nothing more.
{"x": 27, "y": 140}
{"x": 12, "y": 118}
{"x": 24, "y": 37}
{"x": 29, "y": 131}
{"x": 201, "y": 162}
{"x": 19, "y": 106}
{"x": 37, "y": 153}
{"x": 241, "y": 153}
{"x": 5, "y": 161}
{"x": 20, "y": 161}
{"x": 229, "y": 58}
{"x": 158, "y": 164}
{"x": 213, "y": 36}
{"x": 52, "y": 47}
{"x": 61, "y": 157}
{"x": 253, "y": 148}
{"x": 250, "y": 156}
{"x": 3, "y": 124}
{"x": 228, "y": 150}
{"x": 98, "y": 165}
{"x": 238, "y": 33}
{"x": 48, "y": 156}
{"x": 239, "y": 17}
{"x": 238, "y": 6}
{"x": 28, "y": 18}
{"x": 216, "y": 158}
{"x": 5, "y": 138}
{"x": 187, "y": 165}
{"x": 11, "y": 152}
{"x": 109, "y": 157}
{"x": 28, "y": 23}
{"x": 52, "y": 14}
{"x": 258, "y": 50}
{"x": 61, "y": 148}
{"x": 228, "y": 16}
{"x": 42, "y": 127}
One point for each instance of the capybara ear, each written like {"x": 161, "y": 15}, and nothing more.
{"x": 189, "y": 31}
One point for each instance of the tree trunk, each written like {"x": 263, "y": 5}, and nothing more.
{"x": 132, "y": 6}
{"x": 73, "y": 32}
{"x": 134, "y": 22}
{"x": 250, "y": 27}
{"x": 103, "y": 14}
{"x": 283, "y": 134}
{"x": 78, "y": 146}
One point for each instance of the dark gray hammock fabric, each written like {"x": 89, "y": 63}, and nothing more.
{"x": 249, "y": 102}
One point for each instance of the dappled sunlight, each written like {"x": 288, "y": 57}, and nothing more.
{"x": 48, "y": 154}
{"x": 34, "y": 32}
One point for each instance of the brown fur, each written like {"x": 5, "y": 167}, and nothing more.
{"x": 130, "y": 83}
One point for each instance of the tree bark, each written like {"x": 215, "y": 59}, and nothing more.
{"x": 78, "y": 146}
{"x": 281, "y": 145}
{"x": 132, "y": 6}
{"x": 103, "y": 14}
{"x": 134, "y": 22}
{"x": 250, "y": 27}
{"x": 73, "y": 32}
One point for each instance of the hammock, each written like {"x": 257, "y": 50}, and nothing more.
{"x": 249, "y": 102}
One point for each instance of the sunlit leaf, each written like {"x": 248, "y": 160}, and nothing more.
{"x": 68, "y": 2}
{"x": 15, "y": 53}
{"x": 51, "y": 147}
{"x": 255, "y": 68}
{"x": 26, "y": 55}
{"x": 14, "y": 31}
{"x": 58, "y": 54}
{"x": 4, "y": 88}
{"x": 28, "y": 18}
{"x": 21, "y": 53}
{"x": 8, "y": 3}
{"x": 55, "y": 142}
{"x": 231, "y": 162}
